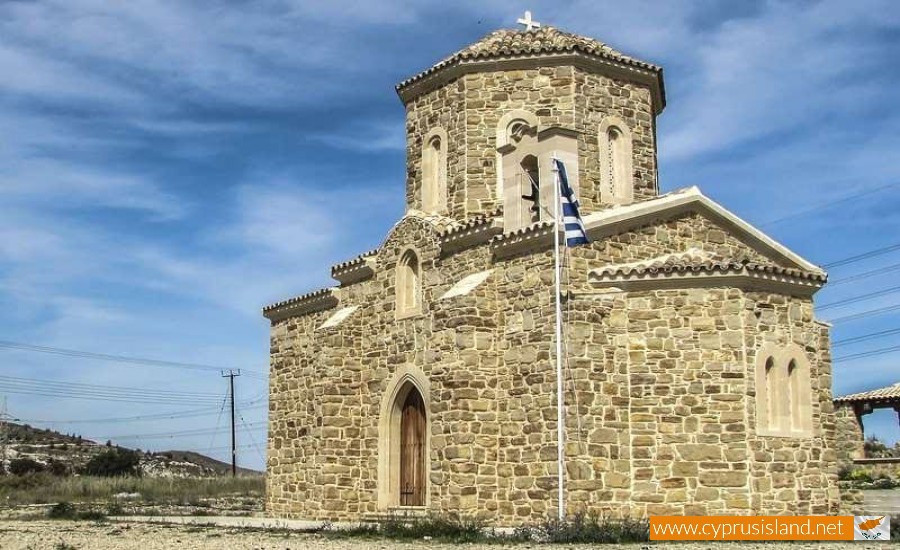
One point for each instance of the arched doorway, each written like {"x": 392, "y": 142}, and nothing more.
{"x": 412, "y": 449}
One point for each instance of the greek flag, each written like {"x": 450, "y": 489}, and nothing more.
{"x": 575, "y": 232}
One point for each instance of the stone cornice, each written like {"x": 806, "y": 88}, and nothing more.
{"x": 358, "y": 269}
{"x": 533, "y": 237}
{"x": 475, "y": 231}
{"x": 750, "y": 276}
{"x": 451, "y": 69}
{"x": 312, "y": 302}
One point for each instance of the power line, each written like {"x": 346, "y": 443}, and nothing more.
{"x": 174, "y": 434}
{"x": 865, "y": 337}
{"x": 104, "y": 388}
{"x": 55, "y": 392}
{"x": 249, "y": 432}
{"x": 827, "y": 204}
{"x": 864, "y": 275}
{"x": 191, "y": 413}
{"x": 864, "y": 314}
{"x": 212, "y": 439}
{"x": 864, "y": 256}
{"x": 860, "y": 298}
{"x": 50, "y": 388}
{"x": 864, "y": 354}
{"x": 19, "y": 346}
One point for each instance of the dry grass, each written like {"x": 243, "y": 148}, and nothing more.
{"x": 43, "y": 489}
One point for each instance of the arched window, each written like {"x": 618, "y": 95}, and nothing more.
{"x": 793, "y": 395}
{"x": 531, "y": 189}
{"x": 434, "y": 172}
{"x": 616, "y": 175}
{"x": 408, "y": 285}
{"x": 771, "y": 401}
{"x": 783, "y": 392}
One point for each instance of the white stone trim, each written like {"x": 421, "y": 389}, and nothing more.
{"x": 405, "y": 289}
{"x": 467, "y": 284}
{"x": 787, "y": 391}
{"x": 338, "y": 317}
{"x": 608, "y": 193}
{"x": 437, "y": 197}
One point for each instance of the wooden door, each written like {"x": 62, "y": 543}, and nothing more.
{"x": 412, "y": 451}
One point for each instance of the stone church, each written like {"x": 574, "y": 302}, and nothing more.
{"x": 697, "y": 376}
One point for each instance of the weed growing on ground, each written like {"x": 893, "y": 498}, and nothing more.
{"x": 44, "y": 488}
{"x": 580, "y": 528}
{"x": 595, "y": 529}
{"x": 67, "y": 510}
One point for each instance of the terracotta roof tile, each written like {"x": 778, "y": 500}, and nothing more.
{"x": 506, "y": 43}
{"x": 880, "y": 394}
{"x": 695, "y": 260}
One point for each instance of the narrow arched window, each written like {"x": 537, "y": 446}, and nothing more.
{"x": 408, "y": 285}
{"x": 531, "y": 188}
{"x": 793, "y": 396}
{"x": 434, "y": 172}
{"x": 617, "y": 185}
{"x": 771, "y": 397}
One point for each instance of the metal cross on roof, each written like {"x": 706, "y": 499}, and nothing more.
{"x": 527, "y": 21}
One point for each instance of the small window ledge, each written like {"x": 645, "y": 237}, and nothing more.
{"x": 408, "y": 314}
{"x": 803, "y": 434}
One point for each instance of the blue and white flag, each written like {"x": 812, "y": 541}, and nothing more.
{"x": 575, "y": 232}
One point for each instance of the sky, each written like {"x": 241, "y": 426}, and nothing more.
{"x": 169, "y": 167}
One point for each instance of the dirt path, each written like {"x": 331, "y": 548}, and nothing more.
{"x": 67, "y": 535}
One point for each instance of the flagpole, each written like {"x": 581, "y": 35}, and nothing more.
{"x": 560, "y": 410}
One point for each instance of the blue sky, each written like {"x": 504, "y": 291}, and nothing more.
{"x": 167, "y": 168}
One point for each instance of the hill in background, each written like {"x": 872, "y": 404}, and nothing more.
{"x": 68, "y": 454}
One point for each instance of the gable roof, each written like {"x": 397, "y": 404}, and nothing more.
{"x": 509, "y": 44}
{"x": 617, "y": 219}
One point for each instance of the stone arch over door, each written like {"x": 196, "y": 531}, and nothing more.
{"x": 404, "y": 441}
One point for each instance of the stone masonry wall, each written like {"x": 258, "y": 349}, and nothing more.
{"x": 791, "y": 474}
{"x": 659, "y": 389}
{"x": 597, "y": 97}
{"x": 850, "y": 438}
{"x": 470, "y": 109}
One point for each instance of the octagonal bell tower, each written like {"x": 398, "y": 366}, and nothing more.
{"x": 482, "y": 124}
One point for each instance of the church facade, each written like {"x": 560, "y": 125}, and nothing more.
{"x": 697, "y": 377}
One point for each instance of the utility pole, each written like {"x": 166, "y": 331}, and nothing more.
{"x": 4, "y": 436}
{"x": 230, "y": 374}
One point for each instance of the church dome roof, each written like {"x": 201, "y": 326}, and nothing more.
{"x": 511, "y": 44}
{"x": 520, "y": 44}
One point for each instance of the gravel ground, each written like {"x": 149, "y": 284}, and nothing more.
{"x": 67, "y": 535}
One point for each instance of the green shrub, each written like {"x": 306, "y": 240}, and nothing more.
{"x": 67, "y": 510}
{"x": 861, "y": 475}
{"x": 112, "y": 463}
{"x": 62, "y": 510}
{"x": 57, "y": 468}
{"x": 445, "y": 528}
{"x": 25, "y": 466}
